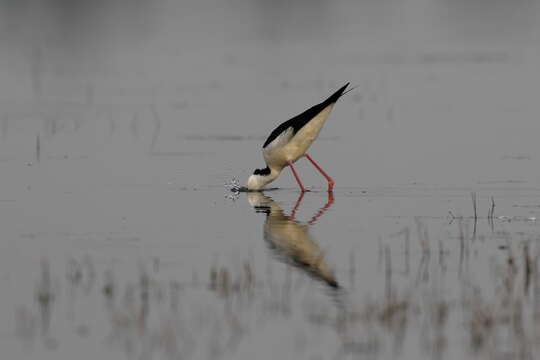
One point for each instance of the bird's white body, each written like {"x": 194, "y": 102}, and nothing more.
{"x": 291, "y": 140}
{"x": 288, "y": 148}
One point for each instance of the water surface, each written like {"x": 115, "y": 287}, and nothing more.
{"x": 120, "y": 124}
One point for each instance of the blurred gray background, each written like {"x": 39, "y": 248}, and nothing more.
{"x": 121, "y": 120}
{"x": 440, "y": 82}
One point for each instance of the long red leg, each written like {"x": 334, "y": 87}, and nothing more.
{"x": 296, "y": 206}
{"x": 322, "y": 210}
{"x": 297, "y": 178}
{"x": 330, "y": 181}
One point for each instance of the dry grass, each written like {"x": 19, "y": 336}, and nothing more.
{"x": 215, "y": 317}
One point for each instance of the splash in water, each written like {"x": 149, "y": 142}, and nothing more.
{"x": 234, "y": 187}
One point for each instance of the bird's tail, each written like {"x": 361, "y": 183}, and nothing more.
{"x": 351, "y": 89}
{"x": 335, "y": 96}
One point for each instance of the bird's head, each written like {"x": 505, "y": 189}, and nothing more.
{"x": 260, "y": 178}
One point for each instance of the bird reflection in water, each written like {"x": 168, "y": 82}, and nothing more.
{"x": 290, "y": 239}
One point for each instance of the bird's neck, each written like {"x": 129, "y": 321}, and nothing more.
{"x": 274, "y": 173}
{"x": 259, "y": 181}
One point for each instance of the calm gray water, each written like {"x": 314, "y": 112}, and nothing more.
{"x": 121, "y": 122}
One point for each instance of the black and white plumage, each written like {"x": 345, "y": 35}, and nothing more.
{"x": 290, "y": 141}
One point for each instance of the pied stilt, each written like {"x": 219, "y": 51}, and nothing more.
{"x": 290, "y": 141}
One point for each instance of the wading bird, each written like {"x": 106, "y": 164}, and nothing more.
{"x": 290, "y": 141}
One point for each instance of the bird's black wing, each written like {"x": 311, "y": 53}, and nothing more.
{"x": 299, "y": 121}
